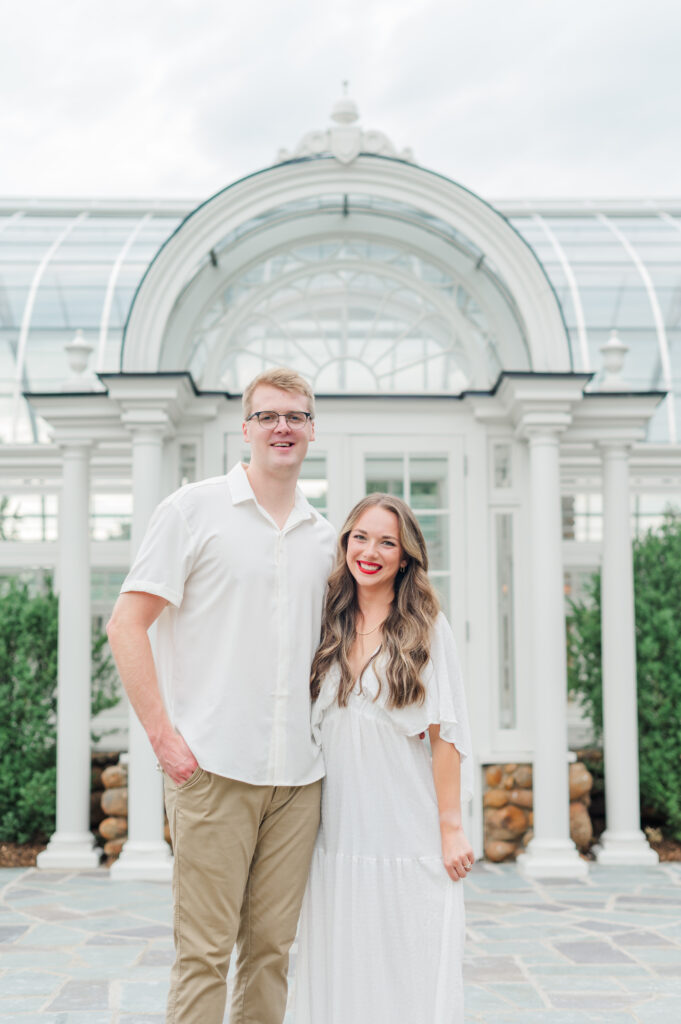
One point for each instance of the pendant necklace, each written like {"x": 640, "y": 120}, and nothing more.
{"x": 369, "y": 631}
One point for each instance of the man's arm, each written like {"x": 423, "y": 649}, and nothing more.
{"x": 127, "y": 630}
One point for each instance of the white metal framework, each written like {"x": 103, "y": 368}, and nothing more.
{"x": 628, "y": 280}
{"x": 456, "y": 349}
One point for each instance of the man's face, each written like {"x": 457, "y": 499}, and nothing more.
{"x": 279, "y": 448}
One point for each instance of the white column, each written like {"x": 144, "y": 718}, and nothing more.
{"x": 145, "y": 853}
{"x": 623, "y": 842}
{"x": 551, "y": 853}
{"x": 73, "y": 845}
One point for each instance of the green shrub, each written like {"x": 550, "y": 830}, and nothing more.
{"x": 28, "y": 708}
{"x": 657, "y": 582}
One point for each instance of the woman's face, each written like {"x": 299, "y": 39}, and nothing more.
{"x": 374, "y": 554}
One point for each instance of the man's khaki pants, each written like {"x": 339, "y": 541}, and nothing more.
{"x": 242, "y": 855}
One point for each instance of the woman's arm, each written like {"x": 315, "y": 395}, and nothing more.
{"x": 457, "y": 852}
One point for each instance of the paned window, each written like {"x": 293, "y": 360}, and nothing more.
{"x": 421, "y": 480}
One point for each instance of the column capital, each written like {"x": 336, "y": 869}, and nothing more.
{"x": 79, "y": 419}
{"x": 607, "y": 445}
{"x": 145, "y": 421}
{"x": 68, "y": 445}
{"x": 537, "y": 428}
{"x": 143, "y": 399}
{"x": 541, "y": 403}
{"x": 613, "y": 418}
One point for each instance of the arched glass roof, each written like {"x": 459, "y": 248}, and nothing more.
{"x": 63, "y": 267}
{"x": 75, "y": 265}
{"x": 616, "y": 266}
{"x": 359, "y": 294}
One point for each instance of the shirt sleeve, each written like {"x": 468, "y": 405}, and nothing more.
{"x": 165, "y": 557}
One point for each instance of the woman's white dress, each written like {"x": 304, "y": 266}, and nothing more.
{"x": 382, "y": 925}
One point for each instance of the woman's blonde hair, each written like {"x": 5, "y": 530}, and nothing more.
{"x": 407, "y": 629}
{"x": 279, "y": 377}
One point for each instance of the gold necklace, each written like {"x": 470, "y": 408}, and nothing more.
{"x": 370, "y": 631}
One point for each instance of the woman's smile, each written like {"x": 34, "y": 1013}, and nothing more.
{"x": 376, "y": 530}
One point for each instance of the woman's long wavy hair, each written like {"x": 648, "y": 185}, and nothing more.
{"x": 407, "y": 629}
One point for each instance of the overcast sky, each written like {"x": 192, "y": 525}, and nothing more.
{"x": 180, "y": 97}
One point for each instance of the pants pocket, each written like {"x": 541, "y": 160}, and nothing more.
{"x": 193, "y": 778}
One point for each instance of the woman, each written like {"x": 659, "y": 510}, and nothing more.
{"x": 382, "y": 926}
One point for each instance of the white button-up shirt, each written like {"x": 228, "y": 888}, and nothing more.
{"x": 235, "y": 644}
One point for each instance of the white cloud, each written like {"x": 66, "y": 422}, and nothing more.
{"x": 180, "y": 98}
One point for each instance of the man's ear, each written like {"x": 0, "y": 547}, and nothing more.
{"x": 244, "y": 431}
{"x": 312, "y": 437}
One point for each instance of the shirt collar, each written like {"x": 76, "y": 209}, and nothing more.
{"x": 239, "y": 485}
{"x": 240, "y": 490}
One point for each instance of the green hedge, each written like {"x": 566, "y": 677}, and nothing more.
{"x": 657, "y": 582}
{"x": 28, "y": 707}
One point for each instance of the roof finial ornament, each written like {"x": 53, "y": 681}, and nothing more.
{"x": 345, "y": 140}
{"x": 614, "y": 352}
{"x": 78, "y": 351}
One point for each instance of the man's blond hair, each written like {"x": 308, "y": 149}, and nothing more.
{"x": 278, "y": 377}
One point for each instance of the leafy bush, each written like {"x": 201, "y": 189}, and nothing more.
{"x": 28, "y": 708}
{"x": 657, "y": 582}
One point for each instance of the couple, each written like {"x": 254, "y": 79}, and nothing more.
{"x": 234, "y": 572}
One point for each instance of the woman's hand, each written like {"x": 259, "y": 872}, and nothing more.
{"x": 457, "y": 853}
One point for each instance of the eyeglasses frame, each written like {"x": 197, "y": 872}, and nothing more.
{"x": 270, "y": 412}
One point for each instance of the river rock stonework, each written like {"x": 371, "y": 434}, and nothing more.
{"x": 114, "y": 828}
{"x": 113, "y": 823}
{"x": 507, "y": 814}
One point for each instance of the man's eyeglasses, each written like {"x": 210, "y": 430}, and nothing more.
{"x": 269, "y": 420}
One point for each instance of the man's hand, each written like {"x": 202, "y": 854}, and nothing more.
{"x": 175, "y": 758}
{"x": 134, "y": 613}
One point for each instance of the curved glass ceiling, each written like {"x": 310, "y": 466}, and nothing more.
{"x": 353, "y": 316}
{"x": 67, "y": 265}
{"x": 359, "y": 295}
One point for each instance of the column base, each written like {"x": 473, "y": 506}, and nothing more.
{"x": 623, "y": 848}
{"x": 145, "y": 861}
{"x": 552, "y": 859}
{"x": 70, "y": 850}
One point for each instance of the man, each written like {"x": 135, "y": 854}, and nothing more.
{"x": 234, "y": 568}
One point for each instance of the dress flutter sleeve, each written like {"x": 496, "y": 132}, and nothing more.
{"x": 446, "y": 700}
{"x": 326, "y": 697}
{"x": 445, "y": 703}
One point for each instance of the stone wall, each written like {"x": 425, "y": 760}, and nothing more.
{"x": 113, "y": 821}
{"x": 99, "y": 762}
{"x": 114, "y": 826}
{"x": 507, "y": 804}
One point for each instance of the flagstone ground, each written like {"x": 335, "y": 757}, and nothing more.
{"x": 79, "y": 948}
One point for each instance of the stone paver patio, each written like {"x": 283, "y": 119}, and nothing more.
{"x": 77, "y": 948}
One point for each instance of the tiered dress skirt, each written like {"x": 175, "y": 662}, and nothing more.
{"x": 382, "y": 926}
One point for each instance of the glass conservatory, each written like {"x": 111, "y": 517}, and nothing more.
{"x": 513, "y": 369}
